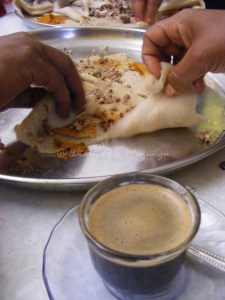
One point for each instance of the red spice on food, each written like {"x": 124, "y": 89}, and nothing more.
{"x": 51, "y": 19}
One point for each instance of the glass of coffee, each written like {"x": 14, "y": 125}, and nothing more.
{"x": 138, "y": 227}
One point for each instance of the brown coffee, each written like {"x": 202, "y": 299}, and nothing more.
{"x": 140, "y": 219}
{"x": 141, "y": 216}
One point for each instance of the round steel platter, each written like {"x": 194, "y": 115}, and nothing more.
{"x": 31, "y": 22}
{"x": 159, "y": 152}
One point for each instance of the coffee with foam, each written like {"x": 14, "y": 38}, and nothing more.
{"x": 140, "y": 219}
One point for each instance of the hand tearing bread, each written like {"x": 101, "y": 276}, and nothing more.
{"x": 122, "y": 100}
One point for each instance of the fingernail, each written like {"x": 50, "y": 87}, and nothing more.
{"x": 199, "y": 86}
{"x": 148, "y": 20}
{"x": 137, "y": 19}
{"x": 169, "y": 90}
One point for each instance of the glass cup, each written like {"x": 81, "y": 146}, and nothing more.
{"x": 130, "y": 276}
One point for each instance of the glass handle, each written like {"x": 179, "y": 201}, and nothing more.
{"x": 207, "y": 256}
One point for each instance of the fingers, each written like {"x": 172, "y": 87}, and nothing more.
{"x": 194, "y": 38}
{"x": 199, "y": 85}
{"x": 28, "y": 98}
{"x": 151, "y": 10}
{"x": 155, "y": 40}
{"x": 153, "y": 64}
{"x": 57, "y": 86}
{"x": 145, "y": 10}
{"x": 69, "y": 90}
{"x": 190, "y": 69}
{"x": 152, "y": 54}
{"x": 138, "y": 7}
{"x": 42, "y": 73}
{"x": 76, "y": 89}
{"x": 168, "y": 38}
{"x": 37, "y": 63}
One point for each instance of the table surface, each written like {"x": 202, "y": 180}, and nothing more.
{"x": 27, "y": 216}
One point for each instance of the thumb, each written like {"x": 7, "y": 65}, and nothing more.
{"x": 189, "y": 69}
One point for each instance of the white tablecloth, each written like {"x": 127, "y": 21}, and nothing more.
{"x": 27, "y": 216}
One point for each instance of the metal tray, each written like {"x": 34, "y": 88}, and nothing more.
{"x": 32, "y": 23}
{"x": 159, "y": 152}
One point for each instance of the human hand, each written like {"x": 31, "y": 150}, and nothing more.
{"x": 24, "y": 61}
{"x": 145, "y": 10}
{"x": 195, "y": 38}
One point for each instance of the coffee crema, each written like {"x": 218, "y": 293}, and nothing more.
{"x": 140, "y": 219}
